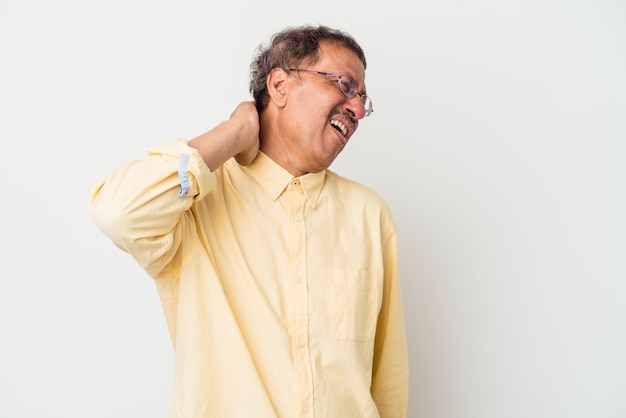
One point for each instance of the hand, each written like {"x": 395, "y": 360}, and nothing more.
{"x": 238, "y": 137}
{"x": 247, "y": 114}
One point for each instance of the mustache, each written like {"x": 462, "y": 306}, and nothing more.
{"x": 344, "y": 114}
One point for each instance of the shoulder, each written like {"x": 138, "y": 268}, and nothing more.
{"x": 363, "y": 206}
{"x": 358, "y": 197}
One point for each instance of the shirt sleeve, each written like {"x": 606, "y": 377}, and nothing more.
{"x": 141, "y": 206}
{"x": 390, "y": 367}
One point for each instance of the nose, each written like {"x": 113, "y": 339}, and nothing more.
{"x": 355, "y": 107}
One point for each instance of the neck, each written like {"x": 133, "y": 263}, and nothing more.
{"x": 273, "y": 143}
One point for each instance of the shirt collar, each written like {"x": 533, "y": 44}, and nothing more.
{"x": 274, "y": 179}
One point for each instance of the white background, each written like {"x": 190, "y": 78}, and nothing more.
{"x": 498, "y": 140}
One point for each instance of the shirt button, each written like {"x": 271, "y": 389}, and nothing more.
{"x": 301, "y": 342}
{"x": 297, "y": 218}
{"x": 305, "y": 408}
{"x": 298, "y": 279}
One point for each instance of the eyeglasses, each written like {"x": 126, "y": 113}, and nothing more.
{"x": 347, "y": 86}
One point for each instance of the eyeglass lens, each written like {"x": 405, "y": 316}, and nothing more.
{"x": 350, "y": 89}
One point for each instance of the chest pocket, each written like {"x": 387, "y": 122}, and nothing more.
{"x": 354, "y": 304}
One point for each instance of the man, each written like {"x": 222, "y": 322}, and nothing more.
{"x": 278, "y": 277}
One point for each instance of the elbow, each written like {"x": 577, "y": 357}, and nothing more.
{"x": 111, "y": 219}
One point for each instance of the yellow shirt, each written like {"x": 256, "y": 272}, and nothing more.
{"x": 281, "y": 294}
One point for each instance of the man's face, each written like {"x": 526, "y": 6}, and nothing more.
{"x": 320, "y": 118}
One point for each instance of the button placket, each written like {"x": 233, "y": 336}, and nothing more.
{"x": 299, "y": 301}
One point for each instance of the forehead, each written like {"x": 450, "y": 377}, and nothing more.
{"x": 338, "y": 59}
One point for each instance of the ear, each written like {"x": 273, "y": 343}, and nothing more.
{"x": 277, "y": 86}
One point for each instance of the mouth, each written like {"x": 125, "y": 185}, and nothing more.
{"x": 343, "y": 123}
{"x": 339, "y": 126}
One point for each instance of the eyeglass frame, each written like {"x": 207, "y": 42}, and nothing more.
{"x": 369, "y": 109}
